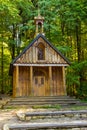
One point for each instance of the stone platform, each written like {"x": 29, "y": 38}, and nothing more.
{"x": 49, "y": 100}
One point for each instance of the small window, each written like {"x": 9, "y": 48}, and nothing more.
{"x": 40, "y": 54}
{"x": 39, "y": 27}
{"x": 41, "y": 51}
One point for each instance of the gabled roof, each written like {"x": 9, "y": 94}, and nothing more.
{"x": 50, "y": 44}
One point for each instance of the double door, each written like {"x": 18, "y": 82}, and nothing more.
{"x": 39, "y": 86}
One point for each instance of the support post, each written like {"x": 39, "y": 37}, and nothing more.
{"x": 14, "y": 81}
{"x": 36, "y": 29}
{"x": 64, "y": 80}
{"x": 50, "y": 80}
{"x": 42, "y": 28}
{"x": 17, "y": 92}
{"x": 31, "y": 80}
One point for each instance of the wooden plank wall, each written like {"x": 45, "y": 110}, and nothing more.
{"x": 24, "y": 81}
{"x": 23, "y": 87}
{"x": 57, "y": 81}
{"x": 30, "y": 56}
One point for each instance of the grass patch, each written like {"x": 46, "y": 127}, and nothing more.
{"x": 10, "y": 107}
{"x": 47, "y": 107}
{"x": 78, "y": 108}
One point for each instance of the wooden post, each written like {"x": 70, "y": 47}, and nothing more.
{"x": 31, "y": 80}
{"x": 64, "y": 80}
{"x": 50, "y": 80}
{"x": 17, "y": 82}
{"x": 14, "y": 80}
{"x": 36, "y": 28}
{"x": 42, "y": 28}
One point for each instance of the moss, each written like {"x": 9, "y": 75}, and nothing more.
{"x": 47, "y": 107}
{"x": 78, "y": 108}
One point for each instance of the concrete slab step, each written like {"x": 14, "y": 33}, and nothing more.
{"x": 34, "y": 97}
{"x": 43, "y": 97}
{"x": 49, "y": 100}
{"x": 45, "y": 125}
{"x": 63, "y": 115}
{"x": 54, "y": 113}
{"x": 43, "y": 102}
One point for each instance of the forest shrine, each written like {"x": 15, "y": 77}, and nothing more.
{"x": 39, "y": 70}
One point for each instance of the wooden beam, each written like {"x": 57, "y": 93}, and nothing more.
{"x": 64, "y": 80}
{"x": 50, "y": 80}
{"x": 41, "y": 64}
{"x": 31, "y": 80}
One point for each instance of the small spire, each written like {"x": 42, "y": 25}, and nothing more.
{"x": 38, "y": 11}
{"x": 39, "y": 20}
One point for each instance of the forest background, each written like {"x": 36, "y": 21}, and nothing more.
{"x": 65, "y": 26}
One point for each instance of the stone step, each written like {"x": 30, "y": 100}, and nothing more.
{"x": 44, "y": 102}
{"x": 34, "y": 97}
{"x": 19, "y": 104}
{"x": 7, "y": 106}
{"x": 49, "y": 100}
{"x": 57, "y": 99}
{"x": 45, "y": 125}
{"x": 81, "y": 114}
{"x": 54, "y": 113}
{"x": 76, "y": 115}
{"x": 43, "y": 98}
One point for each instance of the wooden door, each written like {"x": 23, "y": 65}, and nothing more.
{"x": 39, "y": 86}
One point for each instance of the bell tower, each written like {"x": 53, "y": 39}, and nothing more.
{"x": 39, "y": 20}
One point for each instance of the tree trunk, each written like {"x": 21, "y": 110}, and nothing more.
{"x": 79, "y": 51}
{"x": 2, "y": 71}
{"x": 78, "y": 40}
{"x": 13, "y": 45}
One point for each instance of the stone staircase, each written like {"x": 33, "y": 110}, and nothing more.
{"x": 50, "y": 120}
{"x": 47, "y": 119}
{"x": 49, "y": 100}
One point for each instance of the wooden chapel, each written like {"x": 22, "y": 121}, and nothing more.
{"x": 39, "y": 70}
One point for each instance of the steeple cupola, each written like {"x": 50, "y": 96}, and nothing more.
{"x": 39, "y": 20}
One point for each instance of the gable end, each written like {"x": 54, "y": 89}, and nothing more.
{"x": 31, "y": 49}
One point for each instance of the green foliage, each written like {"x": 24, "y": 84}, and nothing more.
{"x": 77, "y": 74}
{"x": 64, "y": 49}
{"x": 65, "y": 26}
{"x": 76, "y": 108}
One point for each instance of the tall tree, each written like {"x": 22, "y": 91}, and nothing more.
{"x": 65, "y": 26}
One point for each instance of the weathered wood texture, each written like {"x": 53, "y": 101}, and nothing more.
{"x": 32, "y": 79}
{"x": 24, "y": 81}
{"x": 31, "y": 55}
{"x": 38, "y": 81}
{"x": 14, "y": 84}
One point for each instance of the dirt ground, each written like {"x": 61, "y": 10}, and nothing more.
{"x": 7, "y": 116}
{"x": 10, "y": 116}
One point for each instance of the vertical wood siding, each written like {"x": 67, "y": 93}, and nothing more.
{"x": 24, "y": 88}
{"x": 24, "y": 81}
{"x": 24, "y": 76}
{"x": 30, "y": 56}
